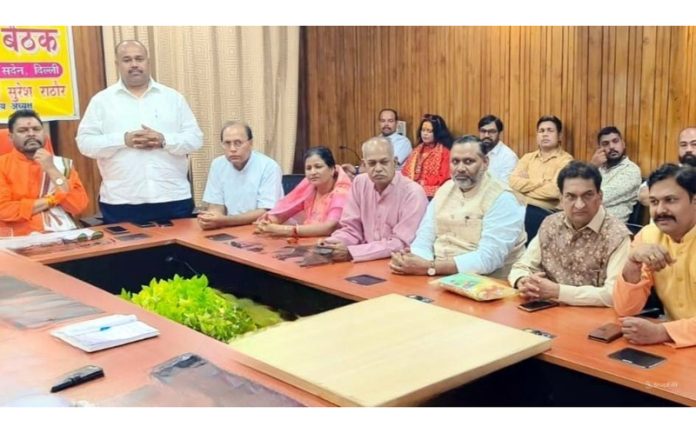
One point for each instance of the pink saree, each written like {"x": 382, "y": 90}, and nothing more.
{"x": 303, "y": 198}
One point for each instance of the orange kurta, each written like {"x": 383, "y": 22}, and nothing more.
{"x": 20, "y": 185}
{"x": 429, "y": 165}
{"x": 675, "y": 285}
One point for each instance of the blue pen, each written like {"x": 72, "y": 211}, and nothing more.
{"x": 104, "y": 328}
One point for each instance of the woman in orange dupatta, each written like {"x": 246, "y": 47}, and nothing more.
{"x": 429, "y": 163}
{"x": 317, "y": 201}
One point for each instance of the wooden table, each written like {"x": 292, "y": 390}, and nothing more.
{"x": 673, "y": 380}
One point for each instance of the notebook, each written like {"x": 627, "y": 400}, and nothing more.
{"x": 105, "y": 332}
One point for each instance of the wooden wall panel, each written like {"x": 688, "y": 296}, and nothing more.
{"x": 638, "y": 78}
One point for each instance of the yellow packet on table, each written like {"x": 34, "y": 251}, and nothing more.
{"x": 476, "y": 287}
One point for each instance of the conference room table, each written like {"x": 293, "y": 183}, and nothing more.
{"x": 43, "y": 357}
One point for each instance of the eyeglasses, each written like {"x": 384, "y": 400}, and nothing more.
{"x": 585, "y": 198}
{"x": 488, "y": 131}
{"x": 236, "y": 144}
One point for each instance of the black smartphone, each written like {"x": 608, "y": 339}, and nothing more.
{"x": 637, "y": 357}
{"x": 114, "y": 230}
{"x": 82, "y": 375}
{"x": 542, "y": 304}
{"x": 146, "y": 224}
{"x": 365, "y": 280}
{"x": 164, "y": 223}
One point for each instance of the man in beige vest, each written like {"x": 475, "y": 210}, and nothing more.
{"x": 578, "y": 253}
{"x": 473, "y": 224}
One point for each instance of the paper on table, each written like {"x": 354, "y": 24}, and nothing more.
{"x": 105, "y": 332}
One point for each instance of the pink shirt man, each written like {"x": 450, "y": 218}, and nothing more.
{"x": 373, "y": 225}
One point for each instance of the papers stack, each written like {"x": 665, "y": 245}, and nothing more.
{"x": 105, "y": 332}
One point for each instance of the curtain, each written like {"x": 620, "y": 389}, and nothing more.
{"x": 225, "y": 73}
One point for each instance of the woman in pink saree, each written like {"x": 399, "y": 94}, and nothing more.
{"x": 315, "y": 206}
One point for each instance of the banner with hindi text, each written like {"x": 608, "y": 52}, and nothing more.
{"x": 37, "y": 71}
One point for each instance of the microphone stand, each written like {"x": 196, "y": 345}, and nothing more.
{"x": 357, "y": 167}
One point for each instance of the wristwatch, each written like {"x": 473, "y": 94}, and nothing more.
{"x": 431, "y": 270}
{"x": 59, "y": 182}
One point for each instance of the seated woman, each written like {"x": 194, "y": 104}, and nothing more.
{"x": 429, "y": 163}
{"x": 320, "y": 197}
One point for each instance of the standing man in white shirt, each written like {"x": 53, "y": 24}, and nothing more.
{"x": 242, "y": 184}
{"x": 141, "y": 133}
{"x": 502, "y": 159}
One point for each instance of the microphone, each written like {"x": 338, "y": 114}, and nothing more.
{"x": 172, "y": 259}
{"x": 357, "y": 167}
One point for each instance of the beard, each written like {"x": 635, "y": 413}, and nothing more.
{"x": 688, "y": 159}
{"x": 613, "y": 160}
{"x": 488, "y": 144}
{"x": 465, "y": 183}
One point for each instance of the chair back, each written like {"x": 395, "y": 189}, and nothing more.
{"x": 290, "y": 181}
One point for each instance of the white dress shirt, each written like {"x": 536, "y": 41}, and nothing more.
{"x": 502, "y": 162}
{"x": 257, "y": 186}
{"x": 502, "y": 226}
{"x": 402, "y": 147}
{"x": 137, "y": 176}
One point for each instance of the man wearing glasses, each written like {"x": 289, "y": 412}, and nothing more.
{"x": 502, "y": 159}
{"x": 242, "y": 184}
{"x": 578, "y": 253}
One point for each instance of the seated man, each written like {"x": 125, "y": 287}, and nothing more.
{"x": 242, "y": 184}
{"x": 663, "y": 256}
{"x": 536, "y": 172}
{"x": 473, "y": 224}
{"x": 382, "y": 211}
{"x": 502, "y": 159}
{"x": 387, "y": 120}
{"x": 579, "y": 252}
{"x": 38, "y": 191}
{"x": 620, "y": 176}
{"x": 687, "y": 156}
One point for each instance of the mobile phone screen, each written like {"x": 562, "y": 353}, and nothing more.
{"x": 116, "y": 229}
{"x": 636, "y": 357}
{"x": 537, "y": 305}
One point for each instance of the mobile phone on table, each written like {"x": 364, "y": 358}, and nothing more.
{"x": 606, "y": 333}
{"x": 164, "y": 223}
{"x": 541, "y": 304}
{"x": 114, "y": 230}
{"x": 146, "y": 224}
{"x": 637, "y": 357}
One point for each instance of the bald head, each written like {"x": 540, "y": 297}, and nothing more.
{"x": 379, "y": 161}
{"x": 129, "y": 42}
{"x": 379, "y": 144}
{"x": 687, "y": 146}
{"x": 133, "y": 65}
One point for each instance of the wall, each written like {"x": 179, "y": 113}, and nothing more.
{"x": 639, "y": 79}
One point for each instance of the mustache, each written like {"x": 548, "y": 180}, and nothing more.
{"x": 664, "y": 217}
{"x": 689, "y": 159}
